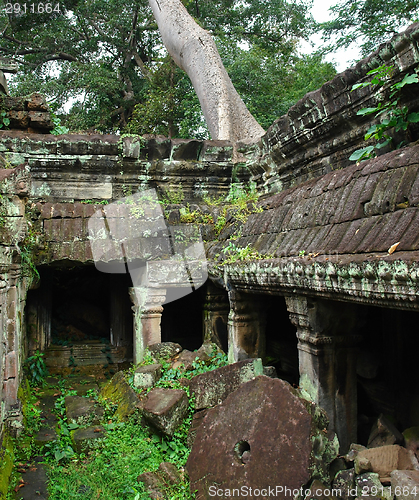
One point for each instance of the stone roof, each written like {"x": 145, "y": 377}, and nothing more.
{"x": 341, "y": 226}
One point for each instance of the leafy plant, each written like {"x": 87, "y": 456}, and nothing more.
{"x": 173, "y": 197}
{"x": 4, "y": 119}
{"x": 36, "y": 369}
{"x": 58, "y": 128}
{"x": 235, "y": 253}
{"x": 394, "y": 116}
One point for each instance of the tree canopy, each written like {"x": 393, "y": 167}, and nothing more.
{"x": 108, "y": 59}
{"x": 368, "y": 22}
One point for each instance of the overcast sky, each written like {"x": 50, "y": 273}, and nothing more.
{"x": 343, "y": 58}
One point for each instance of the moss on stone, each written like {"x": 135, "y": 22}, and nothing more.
{"x": 6, "y": 464}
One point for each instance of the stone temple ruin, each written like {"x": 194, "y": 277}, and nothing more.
{"x": 325, "y": 299}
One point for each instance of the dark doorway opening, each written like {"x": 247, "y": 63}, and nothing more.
{"x": 80, "y": 316}
{"x": 281, "y": 340}
{"x": 80, "y": 305}
{"x": 387, "y": 370}
{"x": 182, "y": 320}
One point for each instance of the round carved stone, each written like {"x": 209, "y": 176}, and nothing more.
{"x": 259, "y": 437}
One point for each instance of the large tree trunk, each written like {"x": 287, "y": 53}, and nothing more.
{"x": 194, "y": 50}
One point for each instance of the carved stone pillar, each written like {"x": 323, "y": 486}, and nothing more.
{"x": 147, "y": 318}
{"x": 216, "y": 309}
{"x": 246, "y": 326}
{"x": 327, "y": 339}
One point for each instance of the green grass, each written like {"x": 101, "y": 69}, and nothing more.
{"x": 111, "y": 468}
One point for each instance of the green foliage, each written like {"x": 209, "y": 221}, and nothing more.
{"x": 194, "y": 217}
{"x": 394, "y": 116}
{"x": 170, "y": 106}
{"x": 4, "y": 119}
{"x": 111, "y": 468}
{"x": 235, "y": 253}
{"x": 173, "y": 196}
{"x": 36, "y": 369}
{"x": 58, "y": 128}
{"x": 368, "y": 22}
{"x": 107, "y": 58}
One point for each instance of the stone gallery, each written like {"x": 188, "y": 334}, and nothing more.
{"x": 318, "y": 278}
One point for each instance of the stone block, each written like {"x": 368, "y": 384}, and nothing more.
{"x": 170, "y": 473}
{"x": 211, "y": 388}
{"x": 344, "y": 482}
{"x": 146, "y": 376}
{"x": 165, "y": 409}
{"x": 157, "y": 483}
{"x": 197, "y": 420}
{"x": 119, "y": 392}
{"x": 354, "y": 449}
{"x": 368, "y": 486}
{"x": 154, "y": 485}
{"x": 10, "y": 370}
{"x": 37, "y": 102}
{"x": 263, "y": 434}
{"x": 82, "y": 438}
{"x": 385, "y": 459}
{"x": 270, "y": 371}
{"x": 384, "y": 433}
{"x": 405, "y": 484}
{"x": 82, "y": 410}
{"x": 164, "y": 350}
{"x": 40, "y": 119}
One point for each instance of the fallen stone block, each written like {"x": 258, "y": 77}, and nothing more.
{"x": 170, "y": 473}
{"x": 82, "y": 438}
{"x": 385, "y": 459}
{"x": 164, "y": 350}
{"x": 384, "y": 433}
{"x": 185, "y": 360}
{"x": 165, "y": 409}
{"x": 197, "y": 419}
{"x": 212, "y": 388}
{"x": 344, "y": 482}
{"x": 368, "y": 486}
{"x": 157, "y": 483}
{"x": 154, "y": 485}
{"x": 354, "y": 449}
{"x": 262, "y": 434}
{"x": 405, "y": 484}
{"x": 82, "y": 410}
{"x": 146, "y": 376}
{"x": 119, "y": 392}
{"x": 270, "y": 371}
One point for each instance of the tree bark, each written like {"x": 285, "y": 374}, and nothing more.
{"x": 193, "y": 50}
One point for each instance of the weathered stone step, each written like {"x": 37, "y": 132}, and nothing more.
{"x": 83, "y": 354}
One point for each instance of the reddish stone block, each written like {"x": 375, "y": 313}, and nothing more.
{"x": 10, "y": 369}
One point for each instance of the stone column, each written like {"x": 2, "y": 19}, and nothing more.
{"x": 147, "y": 318}
{"x": 327, "y": 360}
{"x": 246, "y": 326}
{"x": 216, "y": 309}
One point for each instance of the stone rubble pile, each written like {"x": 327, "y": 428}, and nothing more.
{"x": 255, "y": 435}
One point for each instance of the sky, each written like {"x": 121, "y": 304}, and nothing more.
{"x": 343, "y": 58}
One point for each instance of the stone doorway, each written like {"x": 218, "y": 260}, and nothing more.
{"x": 281, "y": 340}
{"x": 182, "y": 320}
{"x": 387, "y": 375}
{"x": 80, "y": 316}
